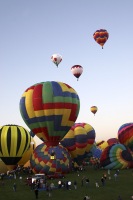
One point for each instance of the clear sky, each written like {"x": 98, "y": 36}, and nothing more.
{"x": 32, "y": 30}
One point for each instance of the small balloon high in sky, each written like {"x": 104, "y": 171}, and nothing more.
{"x": 56, "y": 59}
{"x": 101, "y": 36}
{"x": 77, "y": 71}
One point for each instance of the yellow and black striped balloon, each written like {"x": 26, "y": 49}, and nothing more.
{"x": 14, "y": 142}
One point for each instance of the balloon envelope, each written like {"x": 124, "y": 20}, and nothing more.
{"x": 3, "y": 167}
{"x": 96, "y": 152}
{"x": 50, "y": 109}
{"x": 14, "y": 142}
{"x": 43, "y": 161}
{"x": 113, "y": 141}
{"x": 101, "y": 36}
{"x": 77, "y": 70}
{"x": 93, "y": 109}
{"x": 102, "y": 144}
{"x": 125, "y": 135}
{"x": 79, "y": 140}
{"x": 56, "y": 59}
{"x": 116, "y": 156}
{"x": 27, "y": 155}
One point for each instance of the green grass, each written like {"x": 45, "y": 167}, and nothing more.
{"x": 123, "y": 186}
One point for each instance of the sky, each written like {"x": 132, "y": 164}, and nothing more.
{"x": 31, "y": 31}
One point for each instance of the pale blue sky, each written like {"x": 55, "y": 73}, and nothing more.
{"x": 32, "y": 30}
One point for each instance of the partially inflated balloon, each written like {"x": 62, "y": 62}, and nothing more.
{"x": 113, "y": 141}
{"x": 44, "y": 161}
{"x": 77, "y": 71}
{"x": 14, "y": 142}
{"x": 26, "y": 156}
{"x": 116, "y": 156}
{"x": 79, "y": 140}
{"x": 101, "y": 36}
{"x": 125, "y": 135}
{"x": 96, "y": 152}
{"x": 56, "y": 59}
{"x": 3, "y": 167}
{"x": 50, "y": 109}
{"x": 102, "y": 144}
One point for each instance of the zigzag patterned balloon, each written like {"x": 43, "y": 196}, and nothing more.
{"x": 50, "y": 109}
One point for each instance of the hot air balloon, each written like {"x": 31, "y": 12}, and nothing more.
{"x": 42, "y": 161}
{"x": 50, "y": 109}
{"x": 125, "y": 135}
{"x": 77, "y": 71}
{"x": 113, "y": 141}
{"x": 116, "y": 156}
{"x": 102, "y": 144}
{"x": 26, "y": 156}
{"x": 14, "y": 142}
{"x": 93, "y": 109}
{"x": 101, "y": 36}
{"x": 56, "y": 59}
{"x": 79, "y": 140}
{"x": 3, "y": 167}
{"x": 95, "y": 153}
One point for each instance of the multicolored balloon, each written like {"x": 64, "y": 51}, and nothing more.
{"x": 50, "y": 109}
{"x": 101, "y": 36}
{"x": 79, "y": 140}
{"x": 77, "y": 71}
{"x": 14, "y": 142}
{"x": 56, "y": 59}
{"x": 94, "y": 109}
{"x": 116, "y": 156}
{"x": 96, "y": 154}
{"x": 44, "y": 161}
{"x": 125, "y": 135}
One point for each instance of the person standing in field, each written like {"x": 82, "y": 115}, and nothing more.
{"x": 75, "y": 185}
{"x": 36, "y": 191}
{"x": 14, "y": 187}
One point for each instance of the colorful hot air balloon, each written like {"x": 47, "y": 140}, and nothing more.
{"x": 14, "y": 142}
{"x": 125, "y": 135}
{"x": 56, "y": 59}
{"x": 50, "y": 109}
{"x": 79, "y": 140}
{"x": 116, "y": 156}
{"x": 94, "y": 155}
{"x": 42, "y": 161}
{"x": 101, "y": 36}
{"x": 77, "y": 71}
{"x": 93, "y": 109}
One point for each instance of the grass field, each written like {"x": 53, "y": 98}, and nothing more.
{"x": 123, "y": 186}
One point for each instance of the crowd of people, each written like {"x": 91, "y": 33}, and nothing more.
{"x": 49, "y": 186}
